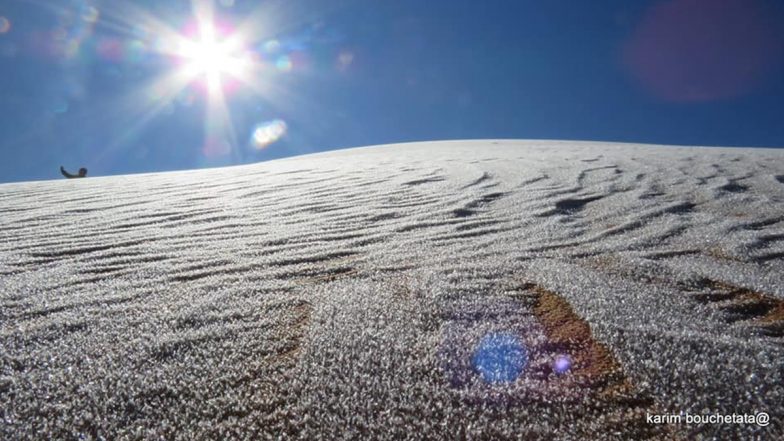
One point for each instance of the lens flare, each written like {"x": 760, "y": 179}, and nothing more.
{"x": 135, "y": 50}
{"x": 267, "y": 133}
{"x": 60, "y": 105}
{"x": 210, "y": 56}
{"x": 344, "y": 60}
{"x": 110, "y": 49}
{"x": 5, "y": 25}
{"x": 705, "y": 50}
{"x": 562, "y": 364}
{"x": 284, "y": 64}
{"x": 271, "y": 46}
{"x": 500, "y": 358}
{"x": 90, "y": 14}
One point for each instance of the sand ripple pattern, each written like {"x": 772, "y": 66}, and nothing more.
{"x": 343, "y": 295}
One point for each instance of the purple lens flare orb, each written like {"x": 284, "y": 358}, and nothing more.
{"x": 562, "y": 364}
{"x": 500, "y": 358}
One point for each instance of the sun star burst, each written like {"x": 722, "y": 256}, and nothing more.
{"x": 212, "y": 58}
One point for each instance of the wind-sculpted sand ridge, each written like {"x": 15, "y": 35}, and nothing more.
{"x": 369, "y": 293}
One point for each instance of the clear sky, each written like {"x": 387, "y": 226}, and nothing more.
{"x": 142, "y": 86}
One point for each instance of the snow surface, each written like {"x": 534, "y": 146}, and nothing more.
{"x": 352, "y": 294}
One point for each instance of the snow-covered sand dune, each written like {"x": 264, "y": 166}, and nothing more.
{"x": 443, "y": 290}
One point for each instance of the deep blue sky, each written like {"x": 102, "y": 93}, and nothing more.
{"x": 76, "y": 75}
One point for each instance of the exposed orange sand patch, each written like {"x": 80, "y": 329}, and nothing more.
{"x": 592, "y": 361}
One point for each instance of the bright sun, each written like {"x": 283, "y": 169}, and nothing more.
{"x": 210, "y": 56}
{"x": 219, "y": 58}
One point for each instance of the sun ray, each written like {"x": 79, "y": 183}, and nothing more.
{"x": 129, "y": 18}
{"x": 161, "y": 92}
{"x": 207, "y": 53}
{"x": 204, "y": 56}
{"x": 218, "y": 125}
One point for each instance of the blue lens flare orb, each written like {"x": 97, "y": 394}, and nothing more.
{"x": 500, "y": 357}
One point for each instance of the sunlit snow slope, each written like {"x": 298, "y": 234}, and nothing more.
{"x": 443, "y": 290}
